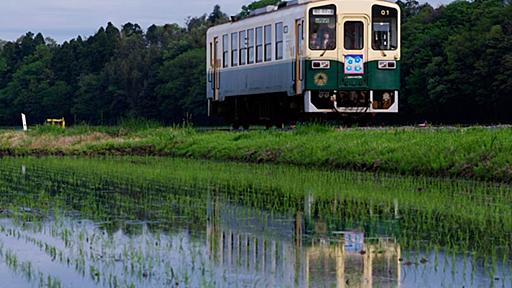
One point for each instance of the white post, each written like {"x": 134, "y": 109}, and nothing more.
{"x": 24, "y": 121}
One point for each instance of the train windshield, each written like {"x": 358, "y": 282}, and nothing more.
{"x": 322, "y": 28}
{"x": 384, "y": 28}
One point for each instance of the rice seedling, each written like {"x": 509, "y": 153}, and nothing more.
{"x": 150, "y": 221}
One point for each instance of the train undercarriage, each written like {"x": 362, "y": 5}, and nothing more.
{"x": 280, "y": 109}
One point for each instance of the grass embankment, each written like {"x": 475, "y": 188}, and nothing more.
{"x": 478, "y": 153}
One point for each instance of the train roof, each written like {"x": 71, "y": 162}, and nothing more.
{"x": 280, "y": 7}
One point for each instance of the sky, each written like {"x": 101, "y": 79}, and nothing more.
{"x": 66, "y": 19}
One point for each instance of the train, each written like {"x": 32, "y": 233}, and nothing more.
{"x": 305, "y": 58}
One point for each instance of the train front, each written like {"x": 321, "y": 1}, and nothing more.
{"x": 352, "y": 63}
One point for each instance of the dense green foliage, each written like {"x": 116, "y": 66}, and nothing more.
{"x": 479, "y": 153}
{"x": 456, "y": 67}
{"x": 114, "y": 74}
{"x": 256, "y": 5}
{"x": 457, "y": 61}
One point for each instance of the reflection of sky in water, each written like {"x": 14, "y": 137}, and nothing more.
{"x": 240, "y": 247}
{"x": 458, "y": 271}
{"x": 227, "y": 244}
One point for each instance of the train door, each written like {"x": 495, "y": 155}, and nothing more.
{"x": 214, "y": 67}
{"x": 299, "y": 43}
{"x": 355, "y": 45}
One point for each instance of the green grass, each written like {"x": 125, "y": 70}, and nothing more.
{"x": 475, "y": 152}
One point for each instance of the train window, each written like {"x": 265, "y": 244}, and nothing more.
{"x": 234, "y": 49}
{"x": 300, "y": 36}
{"x": 279, "y": 41}
{"x": 243, "y": 48}
{"x": 250, "y": 46}
{"x": 225, "y": 50}
{"x": 211, "y": 55}
{"x": 259, "y": 44}
{"x": 268, "y": 43}
{"x": 322, "y": 28}
{"x": 354, "y": 35}
{"x": 384, "y": 28}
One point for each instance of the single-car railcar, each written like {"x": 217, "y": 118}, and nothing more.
{"x": 305, "y": 57}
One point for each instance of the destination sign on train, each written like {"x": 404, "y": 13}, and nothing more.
{"x": 323, "y": 20}
{"x": 323, "y": 11}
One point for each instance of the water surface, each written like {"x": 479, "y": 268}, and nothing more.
{"x": 151, "y": 222}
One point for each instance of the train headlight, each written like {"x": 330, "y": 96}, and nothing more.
{"x": 320, "y": 64}
{"x": 387, "y": 65}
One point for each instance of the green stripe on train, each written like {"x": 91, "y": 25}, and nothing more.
{"x": 335, "y": 79}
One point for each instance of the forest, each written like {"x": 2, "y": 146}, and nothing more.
{"x": 456, "y": 68}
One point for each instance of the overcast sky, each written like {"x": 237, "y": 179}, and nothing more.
{"x": 66, "y": 19}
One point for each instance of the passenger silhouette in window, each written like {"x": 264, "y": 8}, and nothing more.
{"x": 314, "y": 42}
{"x": 327, "y": 42}
{"x": 322, "y": 28}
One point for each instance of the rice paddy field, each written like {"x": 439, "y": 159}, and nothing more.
{"x": 165, "y": 222}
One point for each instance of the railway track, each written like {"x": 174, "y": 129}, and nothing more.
{"x": 340, "y": 127}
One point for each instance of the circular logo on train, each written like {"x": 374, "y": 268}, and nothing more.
{"x": 321, "y": 79}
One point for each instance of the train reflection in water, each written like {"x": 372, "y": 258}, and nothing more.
{"x": 248, "y": 242}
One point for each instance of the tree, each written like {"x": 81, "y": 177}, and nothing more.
{"x": 23, "y": 94}
{"x": 217, "y": 16}
{"x": 183, "y": 84}
{"x": 246, "y": 10}
{"x": 89, "y": 105}
{"x": 456, "y": 67}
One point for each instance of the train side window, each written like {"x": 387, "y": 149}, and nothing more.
{"x": 250, "y": 46}
{"x": 225, "y": 50}
{"x": 268, "y": 43}
{"x": 300, "y": 37}
{"x": 234, "y": 49}
{"x": 211, "y": 54}
{"x": 259, "y": 44}
{"x": 353, "y": 35}
{"x": 243, "y": 48}
{"x": 279, "y": 41}
{"x": 302, "y": 30}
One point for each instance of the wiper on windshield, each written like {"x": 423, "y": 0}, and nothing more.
{"x": 323, "y": 53}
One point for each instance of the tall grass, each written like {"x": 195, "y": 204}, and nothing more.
{"x": 474, "y": 152}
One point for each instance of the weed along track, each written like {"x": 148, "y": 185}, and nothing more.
{"x": 472, "y": 152}
{"x": 153, "y": 222}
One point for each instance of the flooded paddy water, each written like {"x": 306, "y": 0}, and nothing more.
{"x": 155, "y": 222}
